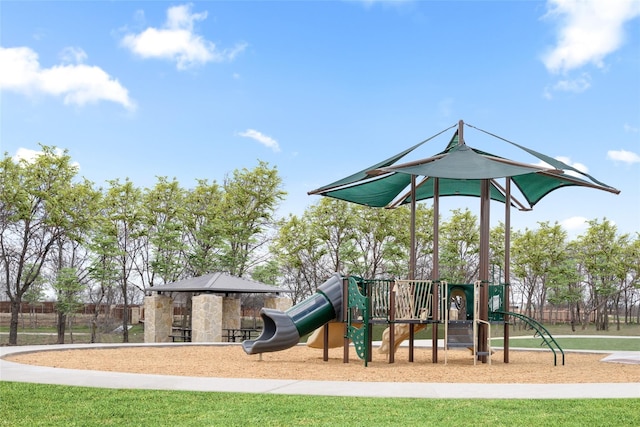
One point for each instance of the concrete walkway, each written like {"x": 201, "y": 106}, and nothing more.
{"x": 10, "y": 371}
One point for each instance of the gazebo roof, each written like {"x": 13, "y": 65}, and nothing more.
{"x": 217, "y": 283}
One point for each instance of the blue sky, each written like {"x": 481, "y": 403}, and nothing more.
{"x": 323, "y": 89}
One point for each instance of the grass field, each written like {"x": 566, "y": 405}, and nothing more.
{"x": 50, "y": 405}
{"x": 586, "y": 343}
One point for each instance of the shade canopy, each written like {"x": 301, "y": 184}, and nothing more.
{"x": 460, "y": 170}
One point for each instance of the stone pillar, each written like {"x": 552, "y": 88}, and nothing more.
{"x": 278, "y": 303}
{"x": 206, "y": 318}
{"x": 135, "y": 315}
{"x": 231, "y": 313}
{"x": 158, "y": 318}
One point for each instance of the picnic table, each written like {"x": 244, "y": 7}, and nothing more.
{"x": 242, "y": 334}
{"x": 180, "y": 334}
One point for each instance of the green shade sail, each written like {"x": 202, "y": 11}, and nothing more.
{"x": 460, "y": 170}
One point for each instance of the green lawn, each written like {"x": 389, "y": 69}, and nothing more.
{"x": 50, "y": 405}
{"x": 48, "y": 335}
{"x": 573, "y": 343}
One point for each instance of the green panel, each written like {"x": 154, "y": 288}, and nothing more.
{"x": 496, "y": 302}
{"x": 460, "y": 168}
{"x": 363, "y": 175}
{"x": 462, "y": 162}
{"x": 375, "y": 193}
{"x": 535, "y": 186}
{"x": 455, "y": 187}
{"x": 359, "y": 336}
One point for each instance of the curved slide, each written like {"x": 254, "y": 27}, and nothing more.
{"x": 336, "y": 335}
{"x": 401, "y": 333}
{"x": 283, "y": 330}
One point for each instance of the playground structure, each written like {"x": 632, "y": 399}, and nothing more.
{"x": 344, "y": 310}
{"x": 405, "y": 305}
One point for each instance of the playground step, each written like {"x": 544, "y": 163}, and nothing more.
{"x": 460, "y": 334}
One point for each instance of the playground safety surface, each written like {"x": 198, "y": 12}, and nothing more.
{"x": 302, "y": 370}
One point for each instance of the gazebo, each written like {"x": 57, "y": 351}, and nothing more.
{"x": 215, "y": 309}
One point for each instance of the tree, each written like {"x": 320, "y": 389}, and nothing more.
{"x": 424, "y": 242}
{"x": 380, "y": 243}
{"x": 123, "y": 210}
{"x": 103, "y": 269}
{"x": 249, "y": 203}
{"x": 460, "y": 246}
{"x": 535, "y": 253}
{"x": 32, "y": 296}
{"x": 40, "y": 203}
{"x": 599, "y": 254}
{"x": 165, "y": 245}
{"x": 332, "y": 223}
{"x": 202, "y": 219}
{"x": 631, "y": 277}
{"x": 562, "y": 286}
{"x": 68, "y": 289}
{"x": 302, "y": 257}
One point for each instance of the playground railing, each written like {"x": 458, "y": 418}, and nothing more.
{"x": 541, "y": 331}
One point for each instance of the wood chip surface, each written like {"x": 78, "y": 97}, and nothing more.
{"x": 303, "y": 363}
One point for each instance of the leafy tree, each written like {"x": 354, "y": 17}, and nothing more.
{"x": 459, "y": 247}
{"x": 332, "y": 223}
{"x": 202, "y": 219}
{"x": 33, "y": 295}
{"x": 599, "y": 254}
{"x": 123, "y": 211}
{"x": 165, "y": 245}
{"x": 535, "y": 254}
{"x": 301, "y": 255}
{"x": 68, "y": 291}
{"x": 103, "y": 270}
{"x": 41, "y": 202}
{"x": 631, "y": 279}
{"x": 380, "y": 242}
{"x": 249, "y": 203}
{"x": 562, "y": 282}
{"x": 424, "y": 242}
{"x": 67, "y": 255}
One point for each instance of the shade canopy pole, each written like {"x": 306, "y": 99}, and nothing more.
{"x": 412, "y": 255}
{"x": 484, "y": 268}
{"x": 435, "y": 274}
{"x": 507, "y": 263}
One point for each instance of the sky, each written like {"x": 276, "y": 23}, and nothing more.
{"x": 322, "y": 89}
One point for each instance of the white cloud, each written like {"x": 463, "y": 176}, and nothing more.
{"x": 177, "y": 41}
{"x": 76, "y": 83}
{"x": 631, "y": 129}
{"x": 265, "y": 140}
{"x": 29, "y": 155}
{"x": 576, "y": 85}
{"x": 623, "y": 156}
{"x": 574, "y": 224}
{"x": 588, "y": 31}
{"x": 73, "y": 55}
